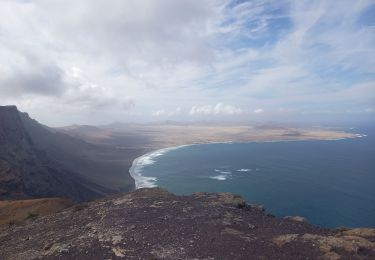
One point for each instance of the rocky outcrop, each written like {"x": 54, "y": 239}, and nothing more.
{"x": 154, "y": 224}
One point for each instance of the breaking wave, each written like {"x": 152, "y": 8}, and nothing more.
{"x": 219, "y": 177}
{"x": 144, "y": 160}
{"x": 244, "y": 170}
{"x": 223, "y": 175}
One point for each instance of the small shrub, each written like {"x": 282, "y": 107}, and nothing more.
{"x": 12, "y": 223}
{"x": 31, "y": 215}
{"x": 80, "y": 207}
{"x": 242, "y": 205}
{"x": 341, "y": 229}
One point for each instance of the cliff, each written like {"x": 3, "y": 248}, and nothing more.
{"x": 30, "y": 170}
{"x": 154, "y": 224}
{"x": 104, "y": 165}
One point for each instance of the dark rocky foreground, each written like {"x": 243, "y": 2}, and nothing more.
{"x": 154, "y": 224}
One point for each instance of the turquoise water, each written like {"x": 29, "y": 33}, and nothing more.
{"x": 331, "y": 183}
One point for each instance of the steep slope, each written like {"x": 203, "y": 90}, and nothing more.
{"x": 26, "y": 171}
{"x": 106, "y": 166}
{"x": 154, "y": 224}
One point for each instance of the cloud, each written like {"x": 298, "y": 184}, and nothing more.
{"x": 139, "y": 57}
{"x": 32, "y": 77}
{"x": 218, "y": 109}
{"x": 258, "y": 111}
{"x": 163, "y": 112}
{"x": 159, "y": 112}
{"x": 83, "y": 92}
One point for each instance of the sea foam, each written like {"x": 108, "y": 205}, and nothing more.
{"x": 223, "y": 175}
{"x": 219, "y": 177}
{"x": 244, "y": 170}
{"x": 222, "y": 171}
{"x": 144, "y": 160}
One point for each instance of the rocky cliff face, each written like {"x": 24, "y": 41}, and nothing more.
{"x": 104, "y": 165}
{"x": 26, "y": 171}
{"x": 154, "y": 224}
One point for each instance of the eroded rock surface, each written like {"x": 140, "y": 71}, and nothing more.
{"x": 154, "y": 224}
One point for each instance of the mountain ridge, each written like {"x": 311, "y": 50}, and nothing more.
{"x": 29, "y": 170}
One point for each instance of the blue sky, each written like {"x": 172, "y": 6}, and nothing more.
{"x": 94, "y": 62}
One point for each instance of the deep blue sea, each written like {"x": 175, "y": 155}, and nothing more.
{"x": 331, "y": 183}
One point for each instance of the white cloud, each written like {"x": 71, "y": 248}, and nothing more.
{"x": 103, "y": 57}
{"x": 218, "y": 109}
{"x": 159, "y": 112}
{"x": 83, "y": 92}
{"x": 163, "y": 112}
{"x": 258, "y": 111}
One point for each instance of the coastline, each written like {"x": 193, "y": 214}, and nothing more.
{"x": 147, "y": 159}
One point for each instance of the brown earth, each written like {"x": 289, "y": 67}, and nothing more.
{"x": 154, "y": 224}
{"x": 15, "y": 211}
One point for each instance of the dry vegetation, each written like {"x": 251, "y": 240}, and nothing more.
{"x": 16, "y": 211}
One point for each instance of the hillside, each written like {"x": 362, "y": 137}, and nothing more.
{"x": 154, "y": 224}
{"x": 102, "y": 164}
{"x": 37, "y": 162}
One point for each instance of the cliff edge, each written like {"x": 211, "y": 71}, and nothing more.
{"x": 154, "y": 224}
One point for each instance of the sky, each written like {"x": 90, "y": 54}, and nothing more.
{"x": 100, "y": 61}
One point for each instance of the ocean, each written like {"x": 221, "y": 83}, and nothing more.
{"x": 331, "y": 183}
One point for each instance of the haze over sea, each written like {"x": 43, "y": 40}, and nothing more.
{"x": 331, "y": 183}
